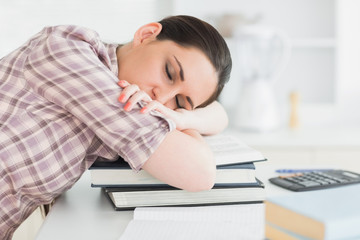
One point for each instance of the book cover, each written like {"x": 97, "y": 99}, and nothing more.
{"x": 273, "y": 232}
{"x": 119, "y": 174}
{"x": 234, "y": 160}
{"x": 130, "y": 198}
{"x": 322, "y": 214}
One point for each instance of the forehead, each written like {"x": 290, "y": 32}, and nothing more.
{"x": 200, "y": 77}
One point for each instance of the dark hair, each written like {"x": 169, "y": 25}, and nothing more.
{"x": 189, "y": 31}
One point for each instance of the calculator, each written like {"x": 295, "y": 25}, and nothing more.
{"x": 313, "y": 180}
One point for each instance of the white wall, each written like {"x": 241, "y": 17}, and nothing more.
{"x": 324, "y": 67}
{"x": 349, "y": 61}
{"x": 319, "y": 78}
{"x": 115, "y": 20}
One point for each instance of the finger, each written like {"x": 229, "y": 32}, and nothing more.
{"x": 149, "y": 107}
{"x": 123, "y": 83}
{"x": 127, "y": 92}
{"x": 155, "y": 105}
{"x": 135, "y": 98}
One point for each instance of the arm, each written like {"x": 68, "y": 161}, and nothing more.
{"x": 209, "y": 120}
{"x": 183, "y": 160}
{"x": 190, "y": 124}
{"x": 179, "y": 158}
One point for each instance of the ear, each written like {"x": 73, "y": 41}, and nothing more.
{"x": 148, "y": 31}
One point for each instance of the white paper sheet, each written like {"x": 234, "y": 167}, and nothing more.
{"x": 202, "y": 223}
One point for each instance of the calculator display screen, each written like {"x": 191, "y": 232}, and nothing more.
{"x": 350, "y": 175}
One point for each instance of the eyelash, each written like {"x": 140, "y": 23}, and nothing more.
{"x": 167, "y": 72}
{"x": 170, "y": 77}
{"x": 177, "y": 102}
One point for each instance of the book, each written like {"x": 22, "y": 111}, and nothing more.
{"x": 245, "y": 221}
{"x": 228, "y": 149}
{"x": 130, "y": 198}
{"x": 323, "y": 214}
{"x": 275, "y": 232}
{"x": 234, "y": 160}
{"x": 119, "y": 174}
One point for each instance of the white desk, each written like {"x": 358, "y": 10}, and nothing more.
{"x": 308, "y": 145}
{"x": 85, "y": 213}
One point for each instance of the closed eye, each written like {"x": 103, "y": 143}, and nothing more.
{"x": 167, "y": 72}
{"x": 177, "y": 102}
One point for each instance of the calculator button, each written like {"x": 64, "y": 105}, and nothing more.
{"x": 330, "y": 181}
{"x": 293, "y": 179}
{"x": 309, "y": 183}
{"x": 322, "y": 182}
{"x": 324, "y": 175}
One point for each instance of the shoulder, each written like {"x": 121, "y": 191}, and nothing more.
{"x": 73, "y": 37}
{"x": 72, "y": 32}
{"x": 72, "y": 41}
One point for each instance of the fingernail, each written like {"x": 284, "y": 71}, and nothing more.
{"x": 143, "y": 110}
{"x": 121, "y": 98}
{"x": 127, "y": 106}
{"x": 121, "y": 82}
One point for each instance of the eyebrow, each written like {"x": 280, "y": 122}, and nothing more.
{"x": 181, "y": 69}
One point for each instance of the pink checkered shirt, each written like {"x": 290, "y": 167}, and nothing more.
{"x": 58, "y": 113}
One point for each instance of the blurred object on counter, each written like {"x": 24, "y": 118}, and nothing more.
{"x": 263, "y": 53}
{"x": 294, "y": 110}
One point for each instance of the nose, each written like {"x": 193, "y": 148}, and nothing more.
{"x": 166, "y": 96}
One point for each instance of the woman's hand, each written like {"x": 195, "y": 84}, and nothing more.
{"x": 132, "y": 94}
{"x": 207, "y": 121}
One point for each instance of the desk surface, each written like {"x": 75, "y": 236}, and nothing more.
{"x": 319, "y": 137}
{"x": 85, "y": 213}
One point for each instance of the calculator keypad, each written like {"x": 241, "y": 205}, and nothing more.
{"x": 316, "y": 180}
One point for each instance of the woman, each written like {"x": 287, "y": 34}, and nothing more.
{"x": 59, "y": 109}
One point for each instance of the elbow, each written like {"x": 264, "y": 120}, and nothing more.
{"x": 205, "y": 177}
{"x": 205, "y": 184}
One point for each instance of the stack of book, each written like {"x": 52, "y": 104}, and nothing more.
{"x": 236, "y": 180}
{"x": 332, "y": 213}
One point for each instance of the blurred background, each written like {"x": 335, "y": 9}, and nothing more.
{"x": 304, "y": 50}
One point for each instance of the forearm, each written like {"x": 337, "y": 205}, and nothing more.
{"x": 183, "y": 160}
{"x": 209, "y": 120}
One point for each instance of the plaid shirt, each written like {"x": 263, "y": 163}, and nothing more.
{"x": 58, "y": 112}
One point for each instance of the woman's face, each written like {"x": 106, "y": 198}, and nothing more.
{"x": 175, "y": 76}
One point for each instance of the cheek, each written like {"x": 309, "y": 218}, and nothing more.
{"x": 144, "y": 75}
{"x": 171, "y": 105}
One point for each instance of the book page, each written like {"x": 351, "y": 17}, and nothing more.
{"x": 202, "y": 223}
{"x": 228, "y": 149}
{"x": 241, "y": 213}
{"x": 182, "y": 230}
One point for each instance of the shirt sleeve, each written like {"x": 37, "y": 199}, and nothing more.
{"x": 70, "y": 68}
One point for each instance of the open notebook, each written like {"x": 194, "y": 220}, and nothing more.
{"x": 228, "y": 149}
{"x": 228, "y": 222}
